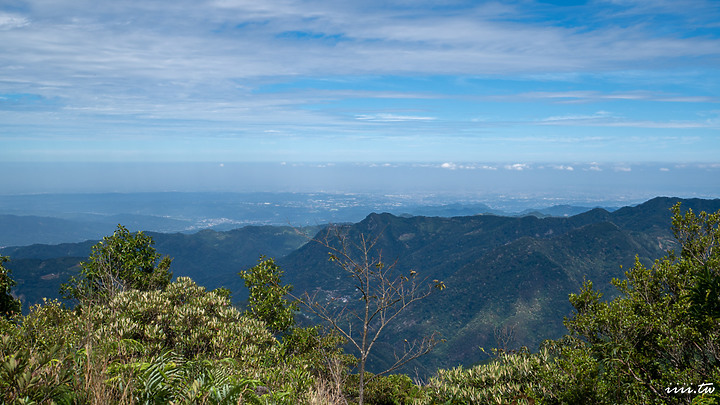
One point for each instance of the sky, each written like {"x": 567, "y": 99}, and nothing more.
{"x": 481, "y": 86}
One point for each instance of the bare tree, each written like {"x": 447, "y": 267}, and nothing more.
{"x": 384, "y": 296}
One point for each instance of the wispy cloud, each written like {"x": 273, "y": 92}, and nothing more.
{"x": 260, "y": 72}
{"x": 10, "y": 21}
{"x": 564, "y": 119}
{"x": 573, "y": 97}
{"x": 391, "y": 117}
{"x": 607, "y": 119}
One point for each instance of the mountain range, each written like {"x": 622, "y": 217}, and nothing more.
{"x": 508, "y": 278}
{"x": 63, "y": 218}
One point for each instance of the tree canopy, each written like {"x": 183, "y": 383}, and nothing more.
{"x": 118, "y": 263}
{"x": 268, "y": 301}
{"x": 9, "y": 305}
{"x": 663, "y": 331}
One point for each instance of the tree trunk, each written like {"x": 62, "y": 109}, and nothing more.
{"x": 361, "y": 387}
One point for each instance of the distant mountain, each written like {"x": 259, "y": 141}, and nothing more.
{"x": 508, "y": 278}
{"x": 20, "y": 230}
{"x": 212, "y": 258}
{"x": 559, "y": 211}
{"x": 60, "y": 218}
{"x": 450, "y": 210}
{"x": 25, "y": 230}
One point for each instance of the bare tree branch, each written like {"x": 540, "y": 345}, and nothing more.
{"x": 384, "y": 296}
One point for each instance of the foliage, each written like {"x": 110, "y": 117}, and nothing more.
{"x": 267, "y": 295}
{"x": 185, "y": 318}
{"x": 662, "y": 332}
{"x": 185, "y": 336}
{"x": 118, "y": 263}
{"x": 144, "y": 340}
{"x": 170, "y": 378}
{"x": 8, "y": 304}
{"x": 394, "y": 389}
{"x": 317, "y": 349}
{"x": 699, "y": 236}
{"x": 181, "y": 344}
{"x": 512, "y": 377}
{"x": 658, "y": 342}
{"x": 28, "y": 375}
{"x": 34, "y": 363}
{"x": 139, "y": 343}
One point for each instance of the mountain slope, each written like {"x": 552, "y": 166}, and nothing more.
{"x": 210, "y": 257}
{"x": 507, "y": 279}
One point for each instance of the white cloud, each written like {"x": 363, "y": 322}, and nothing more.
{"x": 9, "y": 21}
{"x": 517, "y": 166}
{"x": 470, "y": 166}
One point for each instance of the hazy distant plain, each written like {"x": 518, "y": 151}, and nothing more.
{"x": 542, "y": 184}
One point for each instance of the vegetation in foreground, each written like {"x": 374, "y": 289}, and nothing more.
{"x": 136, "y": 337}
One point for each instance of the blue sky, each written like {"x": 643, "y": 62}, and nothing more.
{"x": 459, "y": 84}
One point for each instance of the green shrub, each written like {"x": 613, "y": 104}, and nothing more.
{"x": 34, "y": 374}
{"x": 170, "y": 378}
{"x": 512, "y": 377}
{"x": 394, "y": 389}
{"x": 184, "y": 318}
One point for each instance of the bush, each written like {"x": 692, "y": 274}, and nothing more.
{"x": 394, "y": 389}
{"x": 512, "y": 377}
{"x": 184, "y": 318}
{"x": 36, "y": 364}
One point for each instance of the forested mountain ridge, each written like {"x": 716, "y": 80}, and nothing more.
{"x": 63, "y": 218}
{"x": 508, "y": 279}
